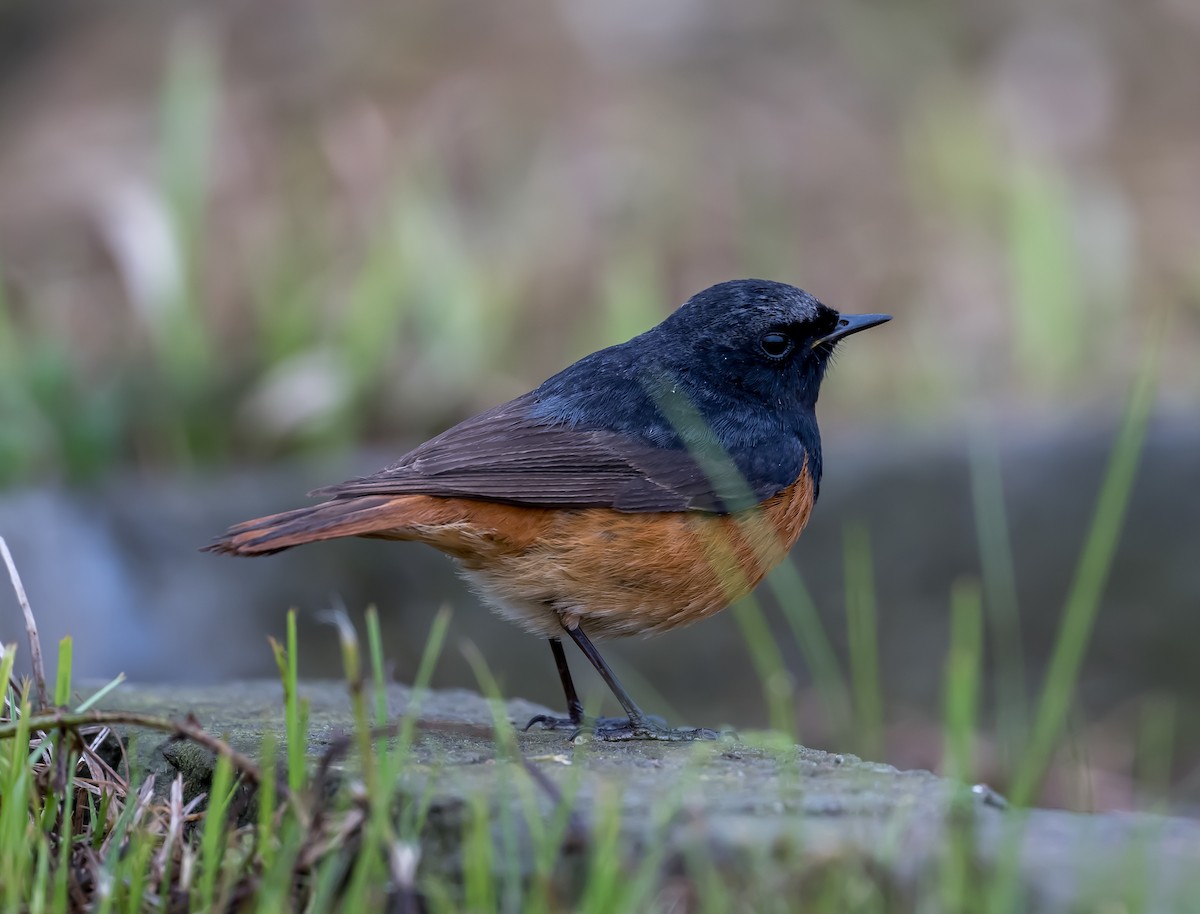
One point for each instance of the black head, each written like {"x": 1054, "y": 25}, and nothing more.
{"x": 766, "y": 339}
{"x": 746, "y": 357}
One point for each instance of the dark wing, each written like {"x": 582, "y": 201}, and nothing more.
{"x": 504, "y": 455}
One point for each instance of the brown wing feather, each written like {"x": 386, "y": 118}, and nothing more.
{"x": 502, "y": 455}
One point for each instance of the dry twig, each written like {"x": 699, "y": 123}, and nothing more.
{"x": 35, "y": 643}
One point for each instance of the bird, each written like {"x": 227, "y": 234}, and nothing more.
{"x": 642, "y": 488}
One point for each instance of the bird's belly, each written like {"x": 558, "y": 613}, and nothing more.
{"x": 620, "y": 573}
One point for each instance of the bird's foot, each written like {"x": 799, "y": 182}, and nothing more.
{"x": 622, "y": 729}
{"x": 579, "y": 725}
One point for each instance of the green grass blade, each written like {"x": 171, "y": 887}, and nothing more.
{"x": 1155, "y": 749}
{"x": 267, "y": 799}
{"x": 800, "y": 612}
{"x": 62, "y": 684}
{"x": 606, "y": 859}
{"x": 40, "y": 854}
{"x": 215, "y": 831}
{"x": 395, "y": 760}
{"x": 778, "y": 685}
{"x": 479, "y": 882}
{"x": 1046, "y": 279}
{"x": 1083, "y": 600}
{"x": 279, "y": 869}
{"x": 17, "y": 790}
{"x": 66, "y": 837}
{"x": 352, "y": 670}
{"x": 378, "y": 668}
{"x": 963, "y": 670}
{"x": 188, "y": 109}
{"x": 429, "y": 658}
{"x": 863, "y": 642}
{"x": 98, "y": 696}
{"x": 1000, "y": 589}
{"x": 8, "y": 656}
{"x": 134, "y": 872}
{"x": 295, "y": 709}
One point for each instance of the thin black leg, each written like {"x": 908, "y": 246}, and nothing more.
{"x": 574, "y": 705}
{"x": 574, "y": 719}
{"x": 636, "y": 716}
{"x": 639, "y": 725}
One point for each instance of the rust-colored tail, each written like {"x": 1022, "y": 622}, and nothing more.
{"x": 355, "y": 516}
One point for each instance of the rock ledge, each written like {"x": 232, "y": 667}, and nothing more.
{"x": 764, "y": 811}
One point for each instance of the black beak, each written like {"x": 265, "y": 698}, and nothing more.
{"x": 852, "y": 323}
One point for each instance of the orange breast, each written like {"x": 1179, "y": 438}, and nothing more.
{"x": 612, "y": 572}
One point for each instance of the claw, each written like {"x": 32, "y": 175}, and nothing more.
{"x": 547, "y": 722}
{"x": 580, "y": 725}
{"x": 622, "y": 729}
{"x": 651, "y": 730}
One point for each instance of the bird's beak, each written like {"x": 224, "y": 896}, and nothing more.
{"x": 852, "y": 323}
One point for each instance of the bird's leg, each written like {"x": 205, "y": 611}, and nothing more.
{"x": 574, "y": 705}
{"x": 638, "y": 725}
{"x": 574, "y": 719}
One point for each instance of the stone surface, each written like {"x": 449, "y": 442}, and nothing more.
{"x": 784, "y": 814}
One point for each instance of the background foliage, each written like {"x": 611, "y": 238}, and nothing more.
{"x": 232, "y": 231}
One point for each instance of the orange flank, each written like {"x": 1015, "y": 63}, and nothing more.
{"x": 616, "y": 573}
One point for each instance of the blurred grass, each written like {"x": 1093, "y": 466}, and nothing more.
{"x": 863, "y": 642}
{"x": 382, "y": 286}
{"x": 961, "y": 692}
{"x": 1000, "y": 587}
{"x": 312, "y": 358}
{"x": 174, "y": 312}
{"x": 1091, "y": 574}
{"x": 1051, "y": 321}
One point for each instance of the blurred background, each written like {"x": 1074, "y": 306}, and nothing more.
{"x": 247, "y": 248}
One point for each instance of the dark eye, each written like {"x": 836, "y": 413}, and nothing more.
{"x": 776, "y": 344}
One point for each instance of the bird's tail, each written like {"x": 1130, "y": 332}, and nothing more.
{"x": 357, "y": 516}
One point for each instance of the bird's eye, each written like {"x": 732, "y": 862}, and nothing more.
{"x": 776, "y": 344}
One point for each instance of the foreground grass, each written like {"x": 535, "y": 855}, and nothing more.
{"x": 78, "y": 833}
